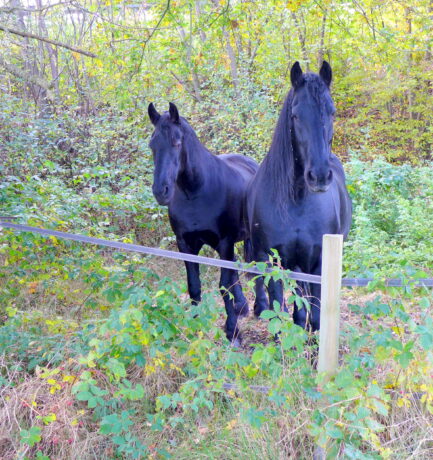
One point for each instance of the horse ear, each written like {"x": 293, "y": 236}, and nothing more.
{"x": 153, "y": 114}
{"x": 174, "y": 114}
{"x": 326, "y": 73}
{"x": 296, "y": 75}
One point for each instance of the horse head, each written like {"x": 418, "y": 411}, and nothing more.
{"x": 166, "y": 146}
{"x": 312, "y": 118}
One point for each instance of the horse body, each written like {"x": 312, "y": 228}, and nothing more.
{"x": 205, "y": 195}
{"x": 299, "y": 193}
{"x": 213, "y": 211}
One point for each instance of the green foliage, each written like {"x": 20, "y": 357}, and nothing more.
{"x": 391, "y": 225}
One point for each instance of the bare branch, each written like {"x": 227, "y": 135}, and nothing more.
{"x": 13, "y": 9}
{"x": 167, "y": 7}
{"x": 28, "y": 78}
{"x": 22, "y": 33}
{"x": 185, "y": 86}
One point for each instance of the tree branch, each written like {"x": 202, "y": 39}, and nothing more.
{"x": 12, "y": 9}
{"x": 28, "y": 78}
{"x": 22, "y": 33}
{"x": 138, "y": 67}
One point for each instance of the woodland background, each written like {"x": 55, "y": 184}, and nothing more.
{"x": 101, "y": 354}
{"x": 225, "y": 64}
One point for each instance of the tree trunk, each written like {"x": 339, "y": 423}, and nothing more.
{"x": 302, "y": 35}
{"x": 188, "y": 46}
{"x": 321, "y": 53}
{"x": 199, "y": 13}
{"x": 231, "y": 55}
{"x": 232, "y": 58}
{"x": 52, "y": 53}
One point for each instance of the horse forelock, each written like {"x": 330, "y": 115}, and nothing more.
{"x": 318, "y": 90}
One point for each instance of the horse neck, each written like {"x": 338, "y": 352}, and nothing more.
{"x": 193, "y": 161}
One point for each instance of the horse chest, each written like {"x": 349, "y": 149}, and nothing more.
{"x": 302, "y": 225}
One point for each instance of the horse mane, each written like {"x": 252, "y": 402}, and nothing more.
{"x": 194, "y": 158}
{"x": 191, "y": 144}
{"x": 279, "y": 164}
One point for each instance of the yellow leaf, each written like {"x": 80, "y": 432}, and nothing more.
{"x": 54, "y": 240}
{"x": 231, "y": 424}
{"x": 398, "y": 330}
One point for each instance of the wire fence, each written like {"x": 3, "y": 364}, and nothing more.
{"x": 247, "y": 268}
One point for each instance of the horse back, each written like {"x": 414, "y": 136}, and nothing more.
{"x": 243, "y": 165}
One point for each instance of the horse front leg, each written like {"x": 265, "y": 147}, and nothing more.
{"x": 226, "y": 251}
{"x": 276, "y": 294}
{"x": 192, "y": 270}
{"x": 240, "y": 302}
{"x": 261, "y": 302}
{"x": 309, "y": 320}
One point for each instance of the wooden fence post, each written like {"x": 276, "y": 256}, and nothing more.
{"x": 332, "y": 259}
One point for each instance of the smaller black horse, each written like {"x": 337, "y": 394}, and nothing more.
{"x": 204, "y": 194}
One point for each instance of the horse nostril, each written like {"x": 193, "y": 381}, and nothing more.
{"x": 166, "y": 190}
{"x": 311, "y": 176}
{"x": 330, "y": 175}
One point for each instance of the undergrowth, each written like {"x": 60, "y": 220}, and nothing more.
{"x": 124, "y": 366}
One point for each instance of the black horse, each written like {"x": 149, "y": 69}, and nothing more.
{"x": 205, "y": 195}
{"x": 299, "y": 192}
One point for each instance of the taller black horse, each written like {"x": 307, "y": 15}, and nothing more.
{"x": 299, "y": 192}
{"x": 205, "y": 195}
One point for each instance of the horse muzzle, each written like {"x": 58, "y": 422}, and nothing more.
{"x": 162, "y": 194}
{"x": 319, "y": 182}
{"x": 319, "y": 188}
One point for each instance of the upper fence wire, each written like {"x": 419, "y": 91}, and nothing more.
{"x": 255, "y": 270}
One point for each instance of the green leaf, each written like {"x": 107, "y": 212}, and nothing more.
{"x": 254, "y": 417}
{"x": 424, "y": 302}
{"x": 334, "y": 432}
{"x": 274, "y": 326}
{"x": 116, "y": 367}
{"x": 404, "y": 358}
{"x": 268, "y": 314}
{"x": 257, "y": 356}
{"x": 379, "y": 406}
{"x": 84, "y": 396}
{"x": 31, "y": 436}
